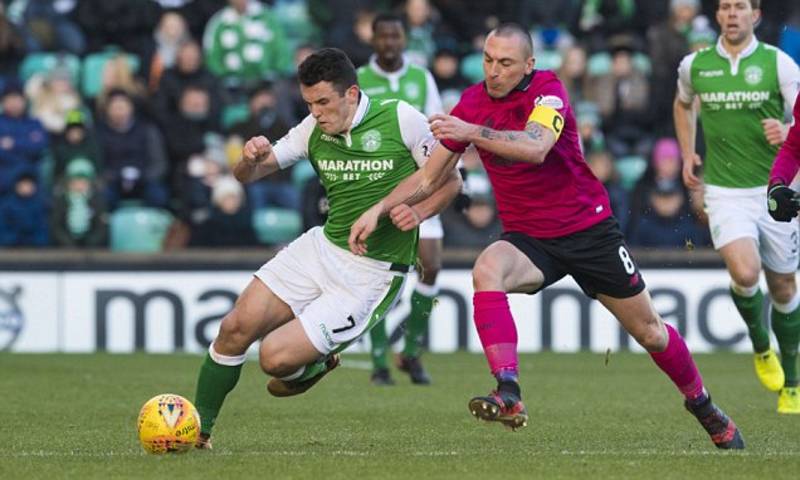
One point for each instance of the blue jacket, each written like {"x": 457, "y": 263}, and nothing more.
{"x": 30, "y": 141}
{"x": 23, "y": 221}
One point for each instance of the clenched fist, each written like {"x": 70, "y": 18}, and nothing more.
{"x": 256, "y": 150}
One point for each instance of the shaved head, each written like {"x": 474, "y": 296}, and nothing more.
{"x": 507, "y": 30}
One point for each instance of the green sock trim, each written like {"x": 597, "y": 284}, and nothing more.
{"x": 379, "y": 343}
{"x": 750, "y": 309}
{"x": 417, "y": 323}
{"x": 213, "y": 384}
{"x": 787, "y": 329}
{"x": 312, "y": 370}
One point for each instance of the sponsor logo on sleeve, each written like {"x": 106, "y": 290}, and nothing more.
{"x": 551, "y": 101}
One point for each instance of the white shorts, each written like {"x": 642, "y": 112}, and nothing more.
{"x": 735, "y": 213}
{"x": 337, "y": 296}
{"x": 431, "y": 228}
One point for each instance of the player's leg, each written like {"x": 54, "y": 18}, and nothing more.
{"x": 786, "y": 325}
{"x": 379, "y": 345}
{"x": 779, "y": 253}
{"x": 256, "y": 312}
{"x": 422, "y": 298}
{"x": 735, "y": 223}
{"x": 502, "y": 268}
{"x": 668, "y": 350}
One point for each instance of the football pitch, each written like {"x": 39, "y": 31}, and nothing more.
{"x": 74, "y": 416}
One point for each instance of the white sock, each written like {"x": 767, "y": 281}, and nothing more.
{"x": 226, "y": 360}
{"x": 747, "y": 292}
{"x": 790, "y": 307}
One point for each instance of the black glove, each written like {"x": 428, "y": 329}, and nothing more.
{"x": 782, "y": 203}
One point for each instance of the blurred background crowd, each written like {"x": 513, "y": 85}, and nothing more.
{"x": 121, "y": 119}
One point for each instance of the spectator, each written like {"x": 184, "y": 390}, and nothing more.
{"x": 589, "y": 127}
{"x": 478, "y": 224}
{"x": 421, "y": 21}
{"x": 243, "y": 43}
{"x": 203, "y": 171}
{"x": 186, "y": 130}
{"x": 573, "y": 72}
{"x": 355, "y": 39}
{"x": 445, "y": 70}
{"x": 124, "y": 23}
{"x": 23, "y": 140}
{"x": 52, "y": 96}
{"x": 170, "y": 34}
{"x": 666, "y": 224}
{"x": 50, "y": 27}
{"x": 78, "y": 141}
{"x": 12, "y": 46}
{"x": 79, "y": 216}
{"x": 23, "y": 213}
{"x": 188, "y": 70}
{"x": 602, "y": 165}
{"x": 664, "y": 170}
{"x": 623, "y": 97}
{"x": 668, "y": 43}
{"x": 602, "y": 19}
{"x": 230, "y": 223}
{"x": 118, "y": 75}
{"x": 276, "y": 189}
{"x": 135, "y": 163}
{"x": 291, "y": 106}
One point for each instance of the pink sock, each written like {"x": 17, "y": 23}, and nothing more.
{"x": 678, "y": 364}
{"x": 497, "y": 331}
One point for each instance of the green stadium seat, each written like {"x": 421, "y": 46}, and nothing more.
{"x": 301, "y": 172}
{"x": 234, "y": 113}
{"x": 275, "y": 225}
{"x": 472, "y": 67}
{"x": 630, "y": 170}
{"x": 642, "y": 63}
{"x": 93, "y": 64}
{"x": 548, "y": 60}
{"x": 138, "y": 229}
{"x": 43, "y": 62}
{"x": 599, "y": 64}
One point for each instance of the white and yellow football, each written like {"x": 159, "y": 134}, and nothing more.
{"x": 168, "y": 423}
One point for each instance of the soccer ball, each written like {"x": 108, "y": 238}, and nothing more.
{"x": 168, "y": 423}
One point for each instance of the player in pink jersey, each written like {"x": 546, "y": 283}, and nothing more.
{"x": 557, "y": 222}
{"x": 783, "y": 202}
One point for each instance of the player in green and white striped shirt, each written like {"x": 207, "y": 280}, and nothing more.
{"x": 389, "y": 75}
{"x": 745, "y": 88}
{"x": 314, "y": 298}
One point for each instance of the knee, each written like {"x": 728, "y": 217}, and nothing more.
{"x": 429, "y": 273}
{"x": 274, "y": 363}
{"x": 233, "y": 338}
{"x": 486, "y": 276}
{"x": 784, "y": 291}
{"x": 745, "y": 276}
{"x": 652, "y": 337}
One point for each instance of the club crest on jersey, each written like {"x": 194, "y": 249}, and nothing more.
{"x": 411, "y": 90}
{"x": 549, "y": 101}
{"x": 371, "y": 140}
{"x": 753, "y": 75}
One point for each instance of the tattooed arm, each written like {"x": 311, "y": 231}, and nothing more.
{"x": 530, "y": 145}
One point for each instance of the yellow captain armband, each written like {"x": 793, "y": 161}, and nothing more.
{"x": 548, "y": 117}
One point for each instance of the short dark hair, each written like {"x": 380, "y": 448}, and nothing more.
{"x": 510, "y": 29}
{"x": 387, "y": 18}
{"x": 755, "y": 4}
{"x": 328, "y": 65}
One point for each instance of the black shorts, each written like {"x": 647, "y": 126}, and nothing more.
{"x": 597, "y": 258}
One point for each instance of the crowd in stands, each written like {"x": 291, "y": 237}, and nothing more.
{"x": 114, "y": 109}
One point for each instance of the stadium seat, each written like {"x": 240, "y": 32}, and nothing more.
{"x": 642, "y": 63}
{"x": 630, "y": 170}
{"x": 234, "y": 113}
{"x": 93, "y": 64}
{"x": 548, "y": 60}
{"x": 275, "y": 225}
{"x": 472, "y": 67}
{"x": 301, "y": 172}
{"x": 599, "y": 64}
{"x": 138, "y": 229}
{"x": 44, "y": 62}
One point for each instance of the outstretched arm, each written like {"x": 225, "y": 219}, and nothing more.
{"x": 529, "y": 145}
{"x": 406, "y": 217}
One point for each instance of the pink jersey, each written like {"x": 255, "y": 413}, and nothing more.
{"x": 557, "y": 198}
{"x": 788, "y": 160}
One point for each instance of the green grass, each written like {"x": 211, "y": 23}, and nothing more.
{"x": 74, "y": 416}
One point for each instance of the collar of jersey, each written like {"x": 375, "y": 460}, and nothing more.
{"x": 748, "y": 50}
{"x": 361, "y": 112}
{"x": 373, "y": 64}
{"x": 522, "y": 86}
